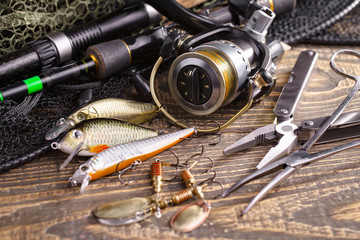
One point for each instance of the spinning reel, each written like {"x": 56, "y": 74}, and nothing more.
{"x": 215, "y": 67}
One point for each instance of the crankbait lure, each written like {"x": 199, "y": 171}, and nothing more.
{"x": 114, "y": 108}
{"x": 121, "y": 156}
{"x": 93, "y": 136}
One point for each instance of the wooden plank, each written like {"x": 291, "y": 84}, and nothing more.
{"x": 320, "y": 201}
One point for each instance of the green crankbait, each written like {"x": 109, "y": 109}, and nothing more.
{"x": 114, "y": 108}
{"x": 93, "y": 136}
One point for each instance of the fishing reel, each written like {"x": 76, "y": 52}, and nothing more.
{"x": 215, "y": 67}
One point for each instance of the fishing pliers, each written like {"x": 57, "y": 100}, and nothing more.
{"x": 283, "y": 127}
{"x": 301, "y": 157}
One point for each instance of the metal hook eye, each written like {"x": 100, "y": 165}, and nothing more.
{"x": 60, "y": 122}
{"x": 338, "y": 70}
{"x": 132, "y": 166}
{"x": 55, "y": 145}
{"x": 80, "y": 116}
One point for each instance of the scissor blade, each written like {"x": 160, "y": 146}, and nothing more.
{"x": 308, "y": 144}
{"x": 257, "y": 136}
{"x": 300, "y": 158}
{"x": 258, "y": 173}
{"x": 272, "y": 184}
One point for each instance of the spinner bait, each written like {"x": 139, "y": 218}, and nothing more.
{"x": 93, "y": 136}
{"x": 114, "y": 108}
{"x": 121, "y": 156}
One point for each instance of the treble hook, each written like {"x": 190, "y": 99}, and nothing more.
{"x": 132, "y": 166}
{"x": 218, "y": 135}
{"x": 172, "y": 165}
{"x": 208, "y": 180}
{"x": 196, "y": 154}
{"x": 211, "y": 180}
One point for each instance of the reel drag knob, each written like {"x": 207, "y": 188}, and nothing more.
{"x": 194, "y": 85}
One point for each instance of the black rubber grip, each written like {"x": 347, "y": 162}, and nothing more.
{"x": 112, "y": 57}
{"x": 116, "y": 24}
{"x": 125, "y": 22}
{"x": 83, "y": 37}
{"x": 22, "y": 61}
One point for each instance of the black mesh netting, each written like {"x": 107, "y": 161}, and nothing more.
{"x": 23, "y": 125}
{"x": 23, "y": 21}
{"x": 345, "y": 31}
{"x": 313, "y": 21}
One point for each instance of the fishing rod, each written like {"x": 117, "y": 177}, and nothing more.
{"x": 60, "y": 47}
{"x": 103, "y": 60}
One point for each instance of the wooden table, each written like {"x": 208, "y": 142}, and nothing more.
{"x": 319, "y": 201}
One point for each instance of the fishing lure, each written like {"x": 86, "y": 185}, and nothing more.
{"x": 121, "y": 156}
{"x": 114, "y": 108}
{"x": 93, "y": 136}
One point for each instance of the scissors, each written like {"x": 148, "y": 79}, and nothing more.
{"x": 301, "y": 157}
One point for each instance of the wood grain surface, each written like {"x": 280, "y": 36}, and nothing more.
{"x": 319, "y": 201}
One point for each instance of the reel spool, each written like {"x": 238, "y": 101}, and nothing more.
{"x": 211, "y": 76}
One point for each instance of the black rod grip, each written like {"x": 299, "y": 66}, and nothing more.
{"x": 146, "y": 46}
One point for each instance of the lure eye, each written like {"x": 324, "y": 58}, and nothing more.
{"x": 80, "y": 116}
{"x": 77, "y": 134}
{"x": 84, "y": 168}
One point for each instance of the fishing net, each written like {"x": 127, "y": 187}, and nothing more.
{"x": 23, "y": 125}
{"x": 24, "y": 21}
{"x": 313, "y": 22}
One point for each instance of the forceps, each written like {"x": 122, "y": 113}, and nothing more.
{"x": 293, "y": 162}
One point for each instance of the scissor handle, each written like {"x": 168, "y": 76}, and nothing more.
{"x": 336, "y": 69}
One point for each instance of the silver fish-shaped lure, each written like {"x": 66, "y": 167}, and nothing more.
{"x": 121, "y": 156}
{"x": 112, "y": 108}
{"x": 93, "y": 136}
